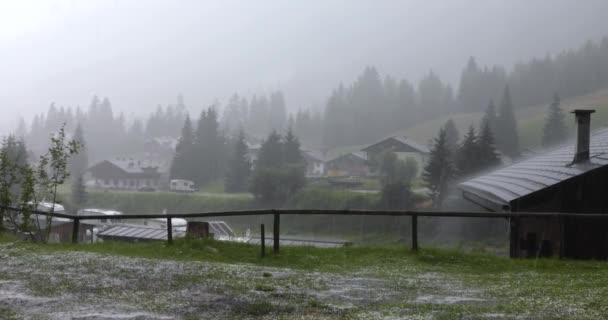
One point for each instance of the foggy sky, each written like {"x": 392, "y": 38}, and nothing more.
{"x": 144, "y": 53}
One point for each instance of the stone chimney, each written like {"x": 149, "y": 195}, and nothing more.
{"x": 583, "y": 133}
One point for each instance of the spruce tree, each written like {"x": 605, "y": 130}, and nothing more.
{"x": 279, "y": 172}
{"x": 467, "y": 158}
{"x": 183, "y": 159}
{"x": 439, "y": 168}
{"x": 555, "y": 130}
{"x": 487, "y": 155}
{"x": 79, "y": 163}
{"x": 453, "y": 136}
{"x": 292, "y": 153}
{"x": 506, "y": 126}
{"x": 490, "y": 117}
{"x": 267, "y": 178}
{"x": 294, "y": 165}
{"x": 271, "y": 153}
{"x": 238, "y": 173}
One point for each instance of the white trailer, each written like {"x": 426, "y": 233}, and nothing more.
{"x": 178, "y": 185}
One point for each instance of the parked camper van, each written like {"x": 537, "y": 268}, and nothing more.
{"x": 178, "y": 185}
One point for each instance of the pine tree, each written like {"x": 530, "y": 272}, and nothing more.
{"x": 453, "y": 136}
{"x": 238, "y": 173}
{"x": 506, "y": 127}
{"x": 279, "y": 172}
{"x": 183, "y": 159}
{"x": 209, "y": 146}
{"x": 487, "y": 156}
{"x": 79, "y": 163}
{"x": 439, "y": 168}
{"x": 271, "y": 153}
{"x": 467, "y": 158}
{"x": 490, "y": 117}
{"x": 267, "y": 183}
{"x": 293, "y": 162}
{"x": 292, "y": 153}
{"x": 555, "y": 130}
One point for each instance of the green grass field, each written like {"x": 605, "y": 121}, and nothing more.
{"x": 432, "y": 284}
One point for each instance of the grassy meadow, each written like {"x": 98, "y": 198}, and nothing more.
{"x": 344, "y": 283}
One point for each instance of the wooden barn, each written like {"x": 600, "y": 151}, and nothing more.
{"x": 404, "y": 148}
{"x": 570, "y": 179}
{"x": 126, "y": 173}
{"x": 352, "y": 164}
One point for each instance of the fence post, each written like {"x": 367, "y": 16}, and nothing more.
{"x": 415, "y": 233}
{"x": 169, "y": 231}
{"x": 75, "y": 225}
{"x": 275, "y": 232}
{"x": 263, "y": 240}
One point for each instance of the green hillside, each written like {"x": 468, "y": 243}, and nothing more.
{"x": 530, "y": 120}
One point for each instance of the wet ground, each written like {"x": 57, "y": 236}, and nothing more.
{"x": 36, "y": 283}
{"x": 79, "y": 285}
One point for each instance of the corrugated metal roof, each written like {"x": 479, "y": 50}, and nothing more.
{"x": 139, "y": 233}
{"x": 515, "y": 181}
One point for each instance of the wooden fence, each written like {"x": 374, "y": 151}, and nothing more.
{"x": 276, "y": 213}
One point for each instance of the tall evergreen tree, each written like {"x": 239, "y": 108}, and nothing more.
{"x": 184, "y": 158}
{"x": 506, "y": 126}
{"x": 209, "y": 147}
{"x": 439, "y": 169}
{"x": 279, "y": 171}
{"x": 467, "y": 158}
{"x": 291, "y": 149}
{"x": 271, "y": 153}
{"x": 453, "y": 136}
{"x": 237, "y": 175}
{"x": 490, "y": 117}
{"x": 555, "y": 130}
{"x": 487, "y": 156}
{"x": 79, "y": 163}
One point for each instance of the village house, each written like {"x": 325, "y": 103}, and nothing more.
{"x": 570, "y": 179}
{"x": 126, "y": 174}
{"x": 404, "y": 148}
{"x": 315, "y": 163}
{"x": 352, "y": 164}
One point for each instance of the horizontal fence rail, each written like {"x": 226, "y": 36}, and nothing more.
{"x": 276, "y": 213}
{"x": 259, "y": 212}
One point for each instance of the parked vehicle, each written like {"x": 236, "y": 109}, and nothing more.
{"x": 178, "y": 185}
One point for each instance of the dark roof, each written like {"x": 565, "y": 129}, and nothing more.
{"x": 360, "y": 156}
{"x": 408, "y": 144}
{"x": 132, "y": 165}
{"x": 505, "y": 185}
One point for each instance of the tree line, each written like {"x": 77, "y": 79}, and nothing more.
{"x": 362, "y": 112}
{"x": 373, "y": 107}
{"x": 453, "y": 159}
